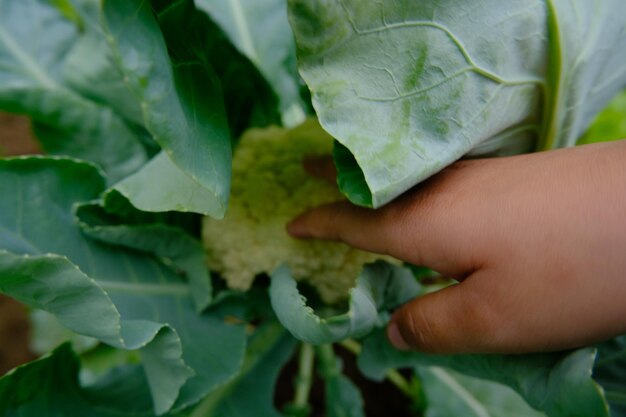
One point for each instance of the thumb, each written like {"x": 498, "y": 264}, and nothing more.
{"x": 457, "y": 319}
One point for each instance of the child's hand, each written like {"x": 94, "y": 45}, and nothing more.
{"x": 538, "y": 242}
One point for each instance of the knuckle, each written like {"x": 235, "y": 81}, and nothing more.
{"x": 465, "y": 323}
{"x": 418, "y": 329}
{"x": 483, "y": 320}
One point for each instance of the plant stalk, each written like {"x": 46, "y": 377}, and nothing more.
{"x": 351, "y": 346}
{"x": 304, "y": 380}
{"x": 328, "y": 361}
{"x": 401, "y": 383}
{"x": 392, "y": 376}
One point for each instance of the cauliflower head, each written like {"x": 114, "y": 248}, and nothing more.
{"x": 269, "y": 188}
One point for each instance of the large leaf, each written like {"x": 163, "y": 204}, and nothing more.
{"x": 53, "y": 284}
{"x": 610, "y": 372}
{"x": 407, "y": 88}
{"x": 260, "y": 30}
{"x": 40, "y": 50}
{"x": 450, "y": 393}
{"x": 50, "y": 387}
{"x": 558, "y": 384}
{"x": 182, "y": 104}
{"x": 95, "y": 75}
{"x": 122, "y": 298}
{"x": 251, "y": 393}
{"x": 380, "y": 287}
{"x": 168, "y": 243}
{"x": 46, "y": 387}
{"x": 249, "y": 99}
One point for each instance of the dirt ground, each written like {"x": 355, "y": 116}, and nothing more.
{"x": 15, "y": 136}
{"x": 14, "y": 332}
{"x": 15, "y": 139}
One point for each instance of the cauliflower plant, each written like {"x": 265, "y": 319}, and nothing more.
{"x": 269, "y": 188}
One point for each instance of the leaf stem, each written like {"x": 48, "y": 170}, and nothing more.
{"x": 392, "y": 376}
{"x": 328, "y": 361}
{"x": 351, "y": 346}
{"x": 616, "y": 397}
{"x": 616, "y": 356}
{"x": 401, "y": 383}
{"x": 304, "y": 380}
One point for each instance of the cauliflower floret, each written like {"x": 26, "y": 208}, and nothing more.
{"x": 269, "y": 188}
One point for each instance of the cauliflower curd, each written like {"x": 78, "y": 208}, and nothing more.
{"x": 269, "y": 188}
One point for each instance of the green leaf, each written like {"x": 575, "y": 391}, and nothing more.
{"x": 251, "y": 393}
{"x": 115, "y": 204}
{"x": 100, "y": 362}
{"x": 249, "y": 99}
{"x": 175, "y": 190}
{"x": 42, "y": 388}
{"x": 350, "y": 178}
{"x": 50, "y": 387}
{"x": 610, "y": 372}
{"x": 380, "y": 287}
{"x": 343, "y": 398}
{"x": 260, "y": 30}
{"x": 121, "y": 390}
{"x": 410, "y": 88}
{"x": 184, "y": 254}
{"x": 95, "y": 75}
{"x": 122, "y": 298}
{"x": 46, "y": 333}
{"x": 182, "y": 104}
{"x": 610, "y": 124}
{"x": 40, "y": 76}
{"x": 558, "y": 384}
{"x": 450, "y": 393}
{"x": 53, "y": 284}
{"x": 69, "y": 11}
{"x": 587, "y": 65}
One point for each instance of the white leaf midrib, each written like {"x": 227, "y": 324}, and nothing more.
{"x": 241, "y": 23}
{"x": 171, "y": 289}
{"x": 27, "y": 62}
{"x": 462, "y": 393}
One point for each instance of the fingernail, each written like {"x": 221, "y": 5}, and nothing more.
{"x": 296, "y": 229}
{"x": 395, "y": 337}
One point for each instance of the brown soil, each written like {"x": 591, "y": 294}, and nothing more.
{"x": 15, "y": 136}
{"x": 15, "y": 139}
{"x": 14, "y": 334}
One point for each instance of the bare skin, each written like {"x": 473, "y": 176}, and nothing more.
{"x": 538, "y": 243}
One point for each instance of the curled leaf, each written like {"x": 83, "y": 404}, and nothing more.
{"x": 381, "y": 286}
